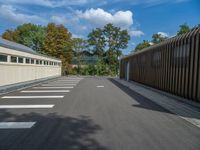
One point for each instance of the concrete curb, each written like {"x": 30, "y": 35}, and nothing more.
{"x": 23, "y": 85}
{"x": 187, "y": 112}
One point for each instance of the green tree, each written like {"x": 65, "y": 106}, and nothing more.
{"x": 97, "y": 41}
{"x": 184, "y": 28}
{"x": 58, "y": 43}
{"x": 141, "y": 46}
{"x": 157, "y": 38}
{"x": 79, "y": 47}
{"x": 27, "y": 34}
{"x": 109, "y": 42}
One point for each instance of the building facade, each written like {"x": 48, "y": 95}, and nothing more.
{"x": 172, "y": 66}
{"x": 19, "y": 63}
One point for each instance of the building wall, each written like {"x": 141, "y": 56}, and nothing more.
{"x": 11, "y": 73}
{"x": 172, "y": 66}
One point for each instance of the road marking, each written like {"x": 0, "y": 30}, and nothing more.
{"x": 33, "y": 96}
{"x": 46, "y": 91}
{"x": 26, "y": 106}
{"x": 99, "y": 86}
{"x": 16, "y": 125}
{"x": 54, "y": 87}
{"x": 62, "y": 83}
{"x": 58, "y": 84}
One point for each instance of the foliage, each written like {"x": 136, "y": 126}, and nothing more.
{"x": 28, "y": 34}
{"x": 58, "y": 43}
{"x": 157, "y": 38}
{"x": 96, "y": 40}
{"x": 142, "y": 45}
{"x": 107, "y": 44}
{"x": 184, "y": 28}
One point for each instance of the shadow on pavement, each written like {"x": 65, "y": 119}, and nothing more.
{"x": 144, "y": 102}
{"x": 51, "y": 132}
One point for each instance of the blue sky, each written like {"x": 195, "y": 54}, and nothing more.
{"x": 141, "y": 18}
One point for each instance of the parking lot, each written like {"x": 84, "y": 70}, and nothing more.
{"x": 71, "y": 113}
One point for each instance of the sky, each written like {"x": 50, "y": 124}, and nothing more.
{"x": 142, "y": 18}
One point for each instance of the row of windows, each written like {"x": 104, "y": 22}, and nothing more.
{"x": 21, "y": 60}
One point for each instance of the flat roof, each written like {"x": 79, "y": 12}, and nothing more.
{"x": 19, "y": 47}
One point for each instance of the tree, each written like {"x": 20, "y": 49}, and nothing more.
{"x": 97, "y": 41}
{"x": 184, "y": 28}
{"x": 142, "y": 45}
{"x": 157, "y": 38}
{"x": 79, "y": 47}
{"x": 10, "y": 35}
{"x": 28, "y": 34}
{"x": 108, "y": 43}
{"x": 58, "y": 43}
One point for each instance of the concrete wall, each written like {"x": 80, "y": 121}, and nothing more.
{"x": 11, "y": 73}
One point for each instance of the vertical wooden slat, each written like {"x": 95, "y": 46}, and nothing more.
{"x": 180, "y": 65}
{"x": 196, "y": 59}
{"x": 198, "y": 88}
{"x": 190, "y": 89}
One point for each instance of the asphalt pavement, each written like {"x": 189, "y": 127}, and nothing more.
{"x": 89, "y": 113}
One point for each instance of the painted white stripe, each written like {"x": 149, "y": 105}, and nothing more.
{"x": 54, "y": 87}
{"x": 16, "y": 125}
{"x": 33, "y": 96}
{"x": 46, "y": 91}
{"x": 62, "y": 83}
{"x": 58, "y": 84}
{"x": 26, "y": 106}
{"x": 99, "y": 86}
{"x": 68, "y": 80}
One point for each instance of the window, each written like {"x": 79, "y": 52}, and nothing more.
{"x": 32, "y": 61}
{"x": 40, "y": 62}
{"x": 20, "y": 60}
{"x": 3, "y": 58}
{"x": 37, "y": 61}
{"x": 13, "y": 59}
{"x": 27, "y": 60}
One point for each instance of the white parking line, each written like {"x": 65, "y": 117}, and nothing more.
{"x": 46, "y": 91}
{"x": 16, "y": 125}
{"x": 32, "y": 97}
{"x": 58, "y": 84}
{"x": 99, "y": 86}
{"x": 62, "y": 83}
{"x": 26, "y": 106}
{"x": 54, "y": 87}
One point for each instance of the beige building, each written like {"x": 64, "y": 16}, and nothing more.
{"x": 19, "y": 63}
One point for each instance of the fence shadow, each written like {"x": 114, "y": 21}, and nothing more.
{"x": 144, "y": 102}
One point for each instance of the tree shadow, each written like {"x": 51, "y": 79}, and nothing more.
{"x": 50, "y": 132}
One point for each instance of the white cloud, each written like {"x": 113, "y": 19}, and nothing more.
{"x": 11, "y": 14}
{"x": 99, "y": 17}
{"x": 163, "y": 34}
{"x": 59, "y": 19}
{"x": 136, "y": 33}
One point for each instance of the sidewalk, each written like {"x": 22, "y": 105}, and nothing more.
{"x": 174, "y": 104}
